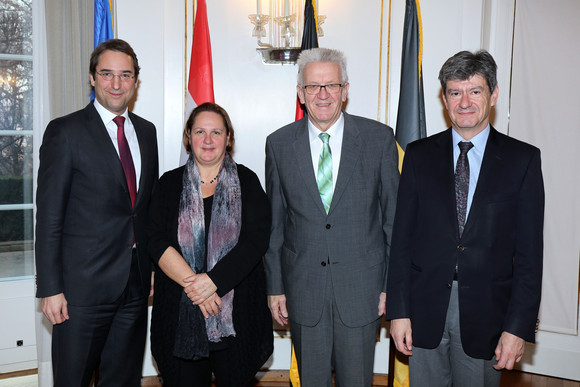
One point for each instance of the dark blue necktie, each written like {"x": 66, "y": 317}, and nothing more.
{"x": 462, "y": 183}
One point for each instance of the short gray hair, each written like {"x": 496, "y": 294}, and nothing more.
{"x": 465, "y": 64}
{"x": 321, "y": 55}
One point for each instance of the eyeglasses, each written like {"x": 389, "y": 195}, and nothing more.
{"x": 108, "y": 76}
{"x": 315, "y": 89}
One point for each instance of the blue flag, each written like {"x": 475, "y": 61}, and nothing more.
{"x": 103, "y": 21}
{"x": 103, "y": 25}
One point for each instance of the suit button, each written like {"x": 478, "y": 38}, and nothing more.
{"x": 328, "y": 226}
{"x": 322, "y": 263}
{"x": 448, "y": 286}
{"x": 460, "y": 248}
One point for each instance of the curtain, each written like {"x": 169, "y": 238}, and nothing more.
{"x": 544, "y": 112}
{"x": 63, "y": 43}
{"x": 69, "y": 35}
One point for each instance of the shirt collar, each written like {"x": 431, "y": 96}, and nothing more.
{"x": 479, "y": 140}
{"x": 333, "y": 131}
{"x": 106, "y": 115}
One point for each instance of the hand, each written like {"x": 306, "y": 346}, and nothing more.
{"x": 277, "y": 305}
{"x": 55, "y": 308}
{"x": 509, "y": 350}
{"x": 152, "y": 282}
{"x": 401, "y": 334}
{"x": 211, "y": 306}
{"x": 382, "y": 303}
{"x": 200, "y": 288}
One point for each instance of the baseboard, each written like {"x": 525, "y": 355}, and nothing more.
{"x": 7, "y": 375}
{"x": 270, "y": 376}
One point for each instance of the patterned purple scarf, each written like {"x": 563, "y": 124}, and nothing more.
{"x": 193, "y": 334}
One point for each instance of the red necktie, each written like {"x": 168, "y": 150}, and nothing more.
{"x": 126, "y": 158}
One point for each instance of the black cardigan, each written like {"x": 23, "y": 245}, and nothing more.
{"x": 242, "y": 269}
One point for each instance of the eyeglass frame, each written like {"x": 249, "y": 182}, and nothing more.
{"x": 123, "y": 77}
{"x": 319, "y": 88}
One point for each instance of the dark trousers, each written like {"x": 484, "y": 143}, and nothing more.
{"x": 188, "y": 373}
{"x": 112, "y": 334}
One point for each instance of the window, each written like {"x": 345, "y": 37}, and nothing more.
{"x": 16, "y": 173}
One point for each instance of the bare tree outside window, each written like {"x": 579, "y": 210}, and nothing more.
{"x": 16, "y": 138}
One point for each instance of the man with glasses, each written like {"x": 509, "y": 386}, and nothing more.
{"x": 465, "y": 276}
{"x": 98, "y": 167}
{"x": 332, "y": 181}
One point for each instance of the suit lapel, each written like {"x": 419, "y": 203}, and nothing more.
{"x": 445, "y": 150}
{"x": 145, "y": 161}
{"x": 301, "y": 147}
{"x": 350, "y": 155}
{"x": 98, "y": 132}
{"x": 490, "y": 167}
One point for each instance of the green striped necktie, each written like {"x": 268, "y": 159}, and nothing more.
{"x": 324, "y": 176}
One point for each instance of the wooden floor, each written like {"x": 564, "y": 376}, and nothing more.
{"x": 280, "y": 379}
{"x": 508, "y": 379}
{"x": 522, "y": 379}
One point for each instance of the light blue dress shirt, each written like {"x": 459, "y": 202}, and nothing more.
{"x": 475, "y": 157}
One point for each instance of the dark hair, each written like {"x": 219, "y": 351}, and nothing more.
{"x": 214, "y": 108}
{"x": 113, "y": 45}
{"x": 465, "y": 64}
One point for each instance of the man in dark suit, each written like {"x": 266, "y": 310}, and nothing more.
{"x": 98, "y": 167}
{"x": 332, "y": 181}
{"x": 465, "y": 275}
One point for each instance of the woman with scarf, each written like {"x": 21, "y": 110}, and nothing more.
{"x": 210, "y": 226}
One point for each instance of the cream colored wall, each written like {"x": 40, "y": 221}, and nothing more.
{"x": 261, "y": 98}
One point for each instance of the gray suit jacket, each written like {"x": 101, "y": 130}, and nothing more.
{"x": 352, "y": 241}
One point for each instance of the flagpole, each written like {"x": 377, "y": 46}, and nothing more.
{"x": 113, "y": 7}
{"x": 388, "y": 56}
{"x": 388, "y": 66}
{"x": 185, "y": 55}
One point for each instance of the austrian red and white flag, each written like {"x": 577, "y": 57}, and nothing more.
{"x": 200, "y": 83}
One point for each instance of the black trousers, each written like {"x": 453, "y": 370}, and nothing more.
{"x": 112, "y": 334}
{"x": 188, "y": 373}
